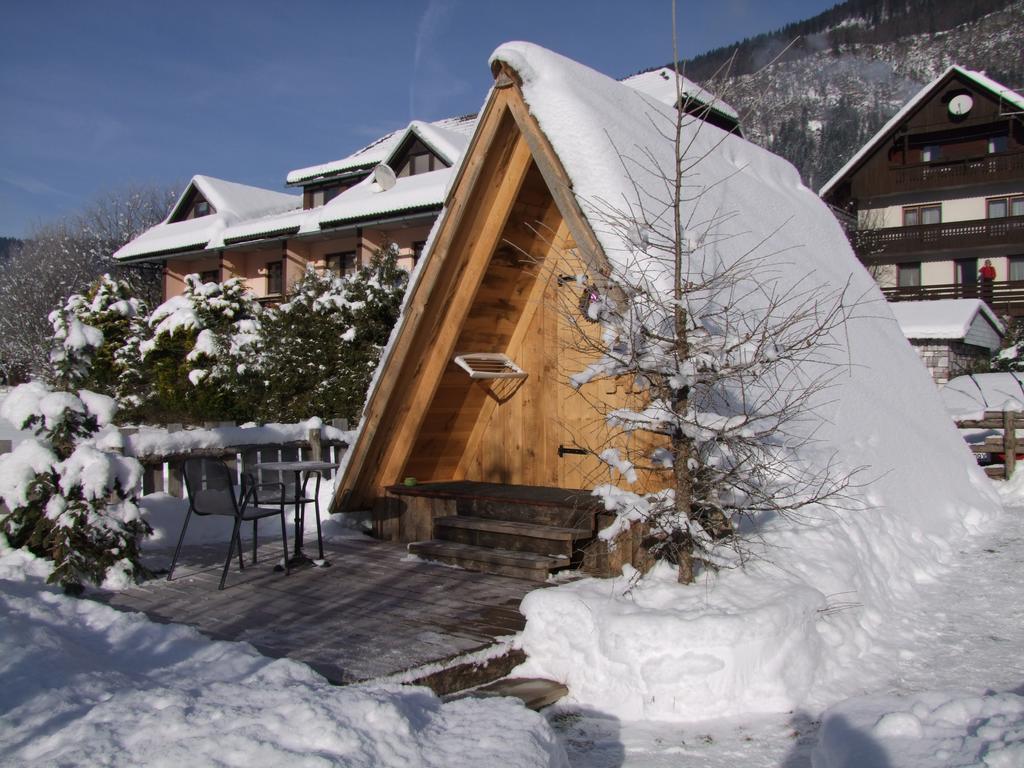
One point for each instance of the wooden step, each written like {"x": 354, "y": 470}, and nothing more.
{"x": 509, "y": 534}
{"x": 521, "y": 503}
{"x": 503, "y": 562}
{"x": 535, "y": 692}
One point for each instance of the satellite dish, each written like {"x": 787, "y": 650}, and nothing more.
{"x": 384, "y": 176}
{"x": 960, "y": 105}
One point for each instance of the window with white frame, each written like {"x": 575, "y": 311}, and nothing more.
{"x": 1016, "y": 268}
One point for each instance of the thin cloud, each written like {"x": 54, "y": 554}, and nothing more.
{"x": 432, "y": 82}
{"x": 31, "y": 185}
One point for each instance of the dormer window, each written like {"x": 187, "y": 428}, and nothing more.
{"x": 415, "y": 157}
{"x": 314, "y": 197}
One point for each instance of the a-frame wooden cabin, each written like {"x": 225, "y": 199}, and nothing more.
{"x": 504, "y": 273}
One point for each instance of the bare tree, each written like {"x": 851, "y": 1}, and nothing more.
{"x": 726, "y": 358}
{"x": 62, "y": 258}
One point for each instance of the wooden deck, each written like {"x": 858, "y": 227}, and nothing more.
{"x": 373, "y": 613}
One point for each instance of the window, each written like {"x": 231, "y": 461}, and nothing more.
{"x": 275, "y": 278}
{"x": 998, "y": 144}
{"x": 930, "y": 153}
{"x": 342, "y": 263}
{"x": 420, "y": 163}
{"x": 1000, "y": 207}
{"x": 210, "y": 276}
{"x": 323, "y": 195}
{"x": 201, "y": 208}
{"x": 1017, "y": 268}
{"x": 922, "y": 214}
{"x": 909, "y": 275}
{"x": 417, "y": 250}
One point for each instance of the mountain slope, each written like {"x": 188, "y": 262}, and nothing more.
{"x": 816, "y": 108}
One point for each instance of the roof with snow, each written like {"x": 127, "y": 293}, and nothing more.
{"x": 601, "y": 149}
{"x": 232, "y": 203}
{"x": 982, "y": 81}
{"x": 660, "y": 84}
{"x": 968, "y": 397}
{"x": 943, "y": 319}
{"x": 448, "y": 138}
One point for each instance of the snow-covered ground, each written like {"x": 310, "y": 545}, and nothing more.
{"x": 951, "y": 694}
{"x": 83, "y": 684}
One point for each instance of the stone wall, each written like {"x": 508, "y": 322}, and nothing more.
{"x": 946, "y": 358}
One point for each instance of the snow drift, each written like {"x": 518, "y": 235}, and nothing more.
{"x": 804, "y": 618}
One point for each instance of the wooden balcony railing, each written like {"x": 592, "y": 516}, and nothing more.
{"x": 1003, "y": 296}
{"x": 953, "y": 173}
{"x": 875, "y": 245}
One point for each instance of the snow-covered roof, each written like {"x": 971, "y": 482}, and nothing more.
{"x": 998, "y": 90}
{"x": 968, "y": 397}
{"x": 367, "y": 200}
{"x": 942, "y": 319}
{"x": 232, "y": 203}
{"x": 447, "y": 137}
{"x": 660, "y": 84}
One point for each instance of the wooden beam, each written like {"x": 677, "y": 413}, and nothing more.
{"x": 492, "y": 121}
{"x": 450, "y": 316}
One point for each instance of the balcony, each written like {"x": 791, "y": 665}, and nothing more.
{"x": 876, "y": 246}
{"x": 1005, "y": 296}
{"x": 957, "y": 173}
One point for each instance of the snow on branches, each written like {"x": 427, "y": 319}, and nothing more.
{"x": 70, "y": 496}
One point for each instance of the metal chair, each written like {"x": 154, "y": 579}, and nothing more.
{"x": 211, "y": 491}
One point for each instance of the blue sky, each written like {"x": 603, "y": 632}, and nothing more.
{"x": 103, "y": 94}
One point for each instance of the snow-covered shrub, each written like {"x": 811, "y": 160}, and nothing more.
{"x": 1011, "y": 356}
{"x": 71, "y": 498}
{"x": 88, "y": 333}
{"x": 195, "y": 355}
{"x": 319, "y": 350}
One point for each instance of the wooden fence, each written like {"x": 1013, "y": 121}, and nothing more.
{"x": 162, "y": 470}
{"x": 1005, "y": 424}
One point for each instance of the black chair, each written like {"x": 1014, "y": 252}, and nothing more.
{"x": 211, "y": 491}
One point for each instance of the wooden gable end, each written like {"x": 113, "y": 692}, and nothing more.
{"x": 894, "y": 164}
{"x": 492, "y": 284}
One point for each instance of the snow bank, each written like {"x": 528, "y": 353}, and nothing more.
{"x": 925, "y": 730}
{"x": 807, "y": 623}
{"x": 968, "y": 397}
{"x": 87, "y": 685}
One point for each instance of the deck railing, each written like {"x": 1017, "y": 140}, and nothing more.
{"x": 874, "y": 245}
{"x": 246, "y": 446}
{"x": 1004, "y": 296}
{"x": 1001, "y": 441}
{"x": 953, "y": 173}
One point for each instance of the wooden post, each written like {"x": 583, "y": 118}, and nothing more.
{"x": 316, "y": 448}
{"x": 152, "y": 478}
{"x": 1009, "y": 442}
{"x": 175, "y": 486}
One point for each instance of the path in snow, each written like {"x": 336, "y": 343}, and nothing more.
{"x": 967, "y": 633}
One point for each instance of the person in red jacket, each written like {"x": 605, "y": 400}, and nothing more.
{"x": 987, "y": 273}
